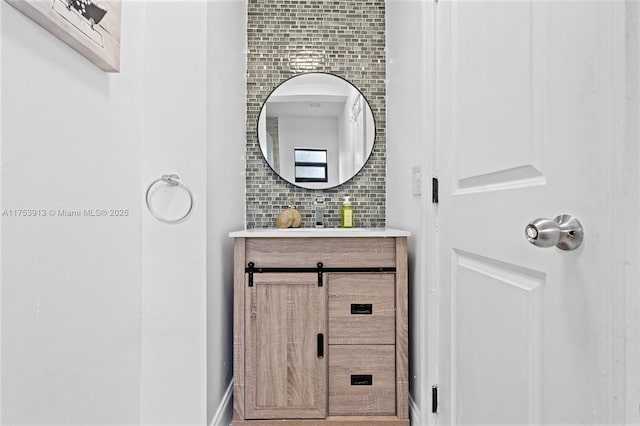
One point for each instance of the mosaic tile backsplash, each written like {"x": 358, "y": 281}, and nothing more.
{"x": 290, "y": 37}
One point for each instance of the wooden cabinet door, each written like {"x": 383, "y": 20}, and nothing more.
{"x": 285, "y": 370}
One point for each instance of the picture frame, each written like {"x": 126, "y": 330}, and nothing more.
{"x": 91, "y": 27}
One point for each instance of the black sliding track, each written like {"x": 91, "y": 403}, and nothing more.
{"x": 319, "y": 269}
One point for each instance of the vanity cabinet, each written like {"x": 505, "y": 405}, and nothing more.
{"x": 320, "y": 327}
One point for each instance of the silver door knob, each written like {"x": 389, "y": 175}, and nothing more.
{"x": 564, "y": 232}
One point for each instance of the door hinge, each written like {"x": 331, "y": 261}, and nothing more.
{"x": 434, "y": 399}
{"x": 434, "y": 190}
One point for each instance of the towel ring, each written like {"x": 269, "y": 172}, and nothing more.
{"x": 173, "y": 180}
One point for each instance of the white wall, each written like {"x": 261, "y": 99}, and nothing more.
{"x": 105, "y": 320}
{"x": 173, "y": 361}
{"x": 0, "y": 220}
{"x": 226, "y": 61}
{"x": 410, "y": 142}
{"x": 347, "y": 143}
{"x": 71, "y": 295}
{"x": 631, "y": 172}
{"x": 308, "y": 132}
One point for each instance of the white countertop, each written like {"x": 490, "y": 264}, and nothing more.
{"x": 318, "y": 232}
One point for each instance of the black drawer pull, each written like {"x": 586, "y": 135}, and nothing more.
{"x": 320, "y": 345}
{"x": 361, "y": 380}
{"x": 361, "y": 309}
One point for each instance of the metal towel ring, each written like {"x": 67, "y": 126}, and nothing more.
{"x": 173, "y": 180}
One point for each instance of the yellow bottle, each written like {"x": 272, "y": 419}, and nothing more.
{"x": 346, "y": 214}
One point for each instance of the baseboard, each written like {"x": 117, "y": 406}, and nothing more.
{"x": 414, "y": 412}
{"x": 225, "y": 410}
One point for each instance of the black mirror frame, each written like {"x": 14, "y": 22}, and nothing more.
{"x": 298, "y": 184}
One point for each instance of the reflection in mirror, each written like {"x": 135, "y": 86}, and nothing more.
{"x": 316, "y": 130}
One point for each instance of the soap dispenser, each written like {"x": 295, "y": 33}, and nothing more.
{"x": 346, "y": 214}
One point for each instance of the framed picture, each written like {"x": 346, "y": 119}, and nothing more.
{"x": 92, "y": 27}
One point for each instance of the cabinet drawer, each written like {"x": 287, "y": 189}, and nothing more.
{"x": 362, "y": 380}
{"x": 361, "y": 309}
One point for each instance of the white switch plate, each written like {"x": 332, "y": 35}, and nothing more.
{"x": 416, "y": 180}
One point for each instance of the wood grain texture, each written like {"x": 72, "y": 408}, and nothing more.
{"x": 376, "y": 289}
{"x": 238, "y": 327}
{"x": 332, "y": 252}
{"x": 375, "y": 360}
{"x": 69, "y": 27}
{"x": 402, "y": 329}
{"x": 332, "y": 420}
{"x": 284, "y": 377}
{"x": 286, "y": 303}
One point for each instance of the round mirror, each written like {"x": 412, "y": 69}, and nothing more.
{"x": 316, "y": 130}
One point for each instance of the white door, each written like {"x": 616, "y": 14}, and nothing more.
{"x": 531, "y": 124}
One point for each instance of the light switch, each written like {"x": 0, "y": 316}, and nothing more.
{"x": 416, "y": 179}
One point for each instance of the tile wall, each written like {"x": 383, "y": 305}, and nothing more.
{"x": 289, "y": 37}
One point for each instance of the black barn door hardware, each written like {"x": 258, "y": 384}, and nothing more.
{"x": 252, "y": 269}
